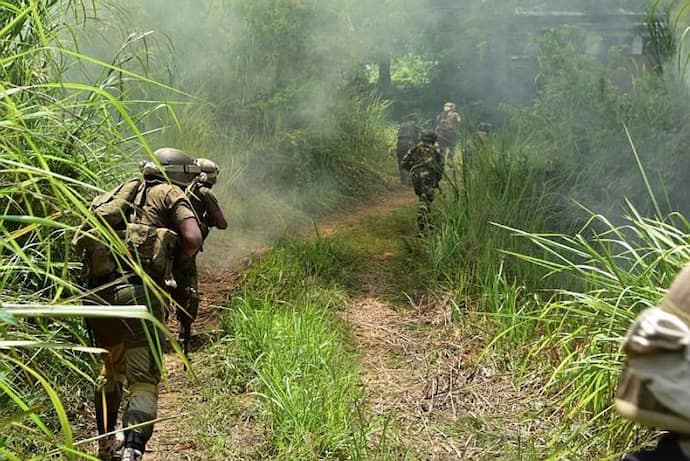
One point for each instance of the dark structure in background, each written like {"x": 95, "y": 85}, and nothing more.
{"x": 604, "y": 30}
{"x": 485, "y": 56}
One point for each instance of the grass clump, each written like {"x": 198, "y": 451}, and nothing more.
{"x": 285, "y": 330}
{"x": 621, "y": 269}
{"x": 62, "y": 141}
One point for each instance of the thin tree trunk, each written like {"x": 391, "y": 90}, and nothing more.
{"x": 384, "y": 82}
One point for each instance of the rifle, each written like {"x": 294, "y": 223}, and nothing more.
{"x": 186, "y": 318}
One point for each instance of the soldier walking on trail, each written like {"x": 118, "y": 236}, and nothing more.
{"x": 156, "y": 221}
{"x": 425, "y": 164}
{"x": 408, "y": 133}
{"x": 447, "y": 128}
{"x": 654, "y": 388}
{"x": 477, "y": 142}
{"x": 209, "y": 213}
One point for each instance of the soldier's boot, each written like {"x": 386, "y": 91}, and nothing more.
{"x": 132, "y": 454}
{"x": 667, "y": 449}
{"x": 135, "y": 445}
{"x": 106, "y": 405}
{"x": 109, "y": 447}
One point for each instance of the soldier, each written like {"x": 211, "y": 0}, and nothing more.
{"x": 654, "y": 388}
{"x": 425, "y": 164}
{"x": 210, "y": 215}
{"x": 160, "y": 229}
{"x": 478, "y": 141}
{"x": 447, "y": 127}
{"x": 408, "y": 132}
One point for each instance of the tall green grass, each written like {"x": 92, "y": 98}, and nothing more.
{"x": 501, "y": 185}
{"x": 286, "y": 334}
{"x": 622, "y": 269}
{"x": 62, "y": 142}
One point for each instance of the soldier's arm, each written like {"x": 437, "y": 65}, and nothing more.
{"x": 214, "y": 212}
{"x": 439, "y": 159}
{"x": 190, "y": 237}
{"x": 407, "y": 161}
{"x": 186, "y": 224}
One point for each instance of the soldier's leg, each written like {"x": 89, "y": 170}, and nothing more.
{"x": 109, "y": 388}
{"x": 426, "y": 198}
{"x": 143, "y": 376}
{"x": 443, "y": 147}
{"x": 109, "y": 334}
{"x": 142, "y": 370}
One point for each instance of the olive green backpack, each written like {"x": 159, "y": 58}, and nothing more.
{"x": 112, "y": 209}
{"x": 153, "y": 248}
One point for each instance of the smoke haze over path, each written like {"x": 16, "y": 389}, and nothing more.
{"x": 278, "y": 75}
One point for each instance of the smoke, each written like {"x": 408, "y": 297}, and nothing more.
{"x": 275, "y": 77}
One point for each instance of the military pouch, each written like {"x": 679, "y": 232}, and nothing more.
{"x": 97, "y": 257}
{"x": 164, "y": 252}
{"x": 153, "y": 247}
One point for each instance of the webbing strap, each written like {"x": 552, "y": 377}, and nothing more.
{"x": 143, "y": 387}
{"x": 140, "y": 199}
{"x": 191, "y": 169}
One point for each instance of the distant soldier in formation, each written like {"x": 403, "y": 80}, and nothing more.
{"x": 479, "y": 139}
{"x": 448, "y": 130}
{"x": 210, "y": 215}
{"x": 654, "y": 388}
{"x": 408, "y": 133}
{"x": 425, "y": 164}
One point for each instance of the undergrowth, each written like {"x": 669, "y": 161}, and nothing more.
{"x": 293, "y": 348}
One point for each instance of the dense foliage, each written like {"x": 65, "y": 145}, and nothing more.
{"x": 292, "y": 98}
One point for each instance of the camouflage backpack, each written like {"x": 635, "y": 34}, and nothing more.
{"x": 112, "y": 208}
{"x": 150, "y": 246}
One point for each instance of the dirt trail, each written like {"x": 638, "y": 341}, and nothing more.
{"x": 419, "y": 367}
{"x": 168, "y": 443}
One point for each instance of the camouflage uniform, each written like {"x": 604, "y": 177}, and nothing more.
{"x": 654, "y": 387}
{"x": 205, "y": 205}
{"x": 425, "y": 164}
{"x": 130, "y": 357}
{"x": 406, "y": 139}
{"x": 447, "y": 127}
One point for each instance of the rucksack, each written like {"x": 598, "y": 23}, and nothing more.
{"x": 150, "y": 246}
{"x": 444, "y": 122}
{"x": 112, "y": 208}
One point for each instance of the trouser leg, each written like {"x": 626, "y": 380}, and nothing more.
{"x": 143, "y": 377}
{"x": 108, "y": 393}
{"x": 426, "y": 197}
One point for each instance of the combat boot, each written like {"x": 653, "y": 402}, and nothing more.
{"x": 109, "y": 447}
{"x": 667, "y": 449}
{"x": 132, "y": 454}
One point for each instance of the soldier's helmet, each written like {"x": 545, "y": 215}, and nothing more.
{"x": 449, "y": 106}
{"x": 655, "y": 384}
{"x": 172, "y": 164}
{"x": 428, "y": 136}
{"x": 485, "y": 127}
{"x": 209, "y": 171}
